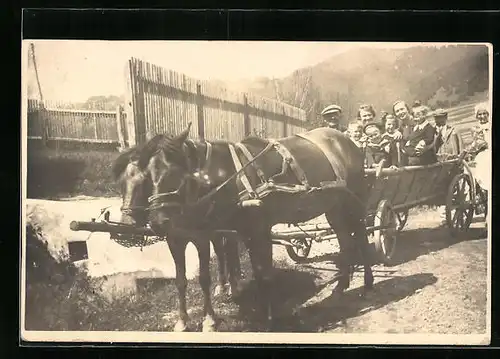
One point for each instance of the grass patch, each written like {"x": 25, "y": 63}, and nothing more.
{"x": 56, "y": 172}
{"x": 60, "y": 297}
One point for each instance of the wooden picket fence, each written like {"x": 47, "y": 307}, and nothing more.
{"x": 48, "y": 121}
{"x": 164, "y": 101}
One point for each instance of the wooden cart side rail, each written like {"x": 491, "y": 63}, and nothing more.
{"x": 399, "y": 170}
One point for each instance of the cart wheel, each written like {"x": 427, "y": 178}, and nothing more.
{"x": 402, "y": 219}
{"x": 300, "y": 250}
{"x": 459, "y": 205}
{"x": 385, "y": 239}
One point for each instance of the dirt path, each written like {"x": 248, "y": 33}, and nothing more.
{"x": 436, "y": 286}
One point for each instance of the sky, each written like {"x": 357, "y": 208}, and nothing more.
{"x": 73, "y": 70}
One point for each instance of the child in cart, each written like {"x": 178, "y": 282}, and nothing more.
{"x": 379, "y": 149}
{"x": 393, "y": 135}
{"x": 355, "y": 132}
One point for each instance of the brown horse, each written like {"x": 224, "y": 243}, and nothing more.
{"x": 333, "y": 185}
{"x": 136, "y": 187}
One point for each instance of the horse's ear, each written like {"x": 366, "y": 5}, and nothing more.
{"x": 181, "y": 137}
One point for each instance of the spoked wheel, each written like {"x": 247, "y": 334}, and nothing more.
{"x": 385, "y": 235}
{"x": 300, "y": 250}
{"x": 402, "y": 219}
{"x": 459, "y": 205}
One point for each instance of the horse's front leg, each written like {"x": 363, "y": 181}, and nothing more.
{"x": 220, "y": 252}
{"x": 203, "y": 247}
{"x": 178, "y": 249}
{"x": 261, "y": 255}
{"x": 346, "y": 245}
{"x": 233, "y": 265}
{"x": 344, "y": 261}
{"x": 361, "y": 239}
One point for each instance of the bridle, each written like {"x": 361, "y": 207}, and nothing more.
{"x": 193, "y": 181}
{"x": 193, "y": 176}
{"x": 192, "y": 198}
{"x": 130, "y": 210}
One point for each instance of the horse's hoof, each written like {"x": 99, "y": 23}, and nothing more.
{"x": 180, "y": 326}
{"x": 208, "y": 324}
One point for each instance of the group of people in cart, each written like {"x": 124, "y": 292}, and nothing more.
{"x": 409, "y": 136}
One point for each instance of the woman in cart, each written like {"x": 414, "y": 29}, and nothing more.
{"x": 366, "y": 114}
{"x": 481, "y": 146}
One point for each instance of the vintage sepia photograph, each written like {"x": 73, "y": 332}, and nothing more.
{"x": 256, "y": 192}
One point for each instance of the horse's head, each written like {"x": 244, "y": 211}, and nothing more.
{"x": 135, "y": 187}
{"x": 175, "y": 178}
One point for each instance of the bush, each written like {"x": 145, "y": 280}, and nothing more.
{"x": 48, "y": 284}
{"x": 54, "y": 173}
{"x": 61, "y": 297}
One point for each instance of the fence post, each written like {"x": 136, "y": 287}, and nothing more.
{"x": 285, "y": 122}
{"x": 44, "y": 123}
{"x": 199, "y": 107}
{"x": 119, "y": 127}
{"x": 246, "y": 116}
{"x": 130, "y": 103}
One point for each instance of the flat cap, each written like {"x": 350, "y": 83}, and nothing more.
{"x": 331, "y": 109}
{"x": 440, "y": 112}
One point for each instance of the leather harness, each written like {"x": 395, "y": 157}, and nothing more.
{"x": 289, "y": 162}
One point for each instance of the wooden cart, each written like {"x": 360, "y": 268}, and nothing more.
{"x": 392, "y": 194}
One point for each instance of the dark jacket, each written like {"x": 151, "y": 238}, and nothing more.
{"x": 428, "y": 154}
{"x": 448, "y": 143}
{"x": 378, "y": 152}
{"x": 406, "y": 129}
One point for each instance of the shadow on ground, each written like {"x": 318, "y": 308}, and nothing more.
{"x": 333, "y": 311}
{"x": 418, "y": 242}
{"x": 291, "y": 287}
{"x": 411, "y": 244}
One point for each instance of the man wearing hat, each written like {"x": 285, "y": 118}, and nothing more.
{"x": 331, "y": 117}
{"x": 448, "y": 142}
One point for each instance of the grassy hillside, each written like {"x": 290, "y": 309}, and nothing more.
{"x": 444, "y": 76}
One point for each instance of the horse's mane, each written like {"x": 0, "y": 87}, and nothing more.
{"x": 122, "y": 161}
{"x": 142, "y": 153}
{"x": 255, "y": 141}
{"x": 166, "y": 143}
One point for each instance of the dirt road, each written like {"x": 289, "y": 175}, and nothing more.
{"x": 436, "y": 286}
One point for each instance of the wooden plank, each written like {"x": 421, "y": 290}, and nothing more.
{"x": 120, "y": 129}
{"x": 200, "y": 108}
{"x": 130, "y": 103}
{"x": 141, "y": 113}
